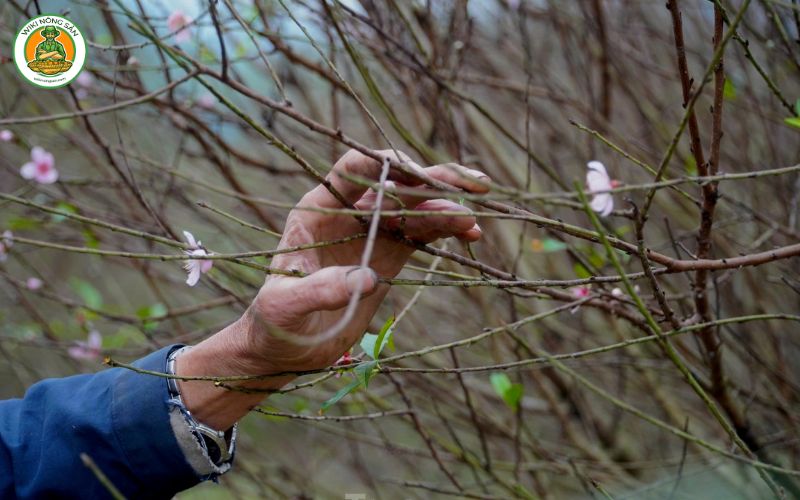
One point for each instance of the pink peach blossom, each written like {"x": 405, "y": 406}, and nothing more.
{"x": 6, "y": 242}
{"x": 41, "y": 168}
{"x": 177, "y": 23}
{"x": 207, "y": 101}
{"x": 6, "y": 135}
{"x": 33, "y": 283}
{"x": 195, "y": 267}
{"x": 89, "y": 349}
{"x": 598, "y": 183}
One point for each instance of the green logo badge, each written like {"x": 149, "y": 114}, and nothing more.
{"x": 49, "y": 51}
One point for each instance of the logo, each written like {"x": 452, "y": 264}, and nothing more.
{"x": 49, "y": 51}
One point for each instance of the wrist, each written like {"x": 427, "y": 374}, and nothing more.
{"x": 229, "y": 352}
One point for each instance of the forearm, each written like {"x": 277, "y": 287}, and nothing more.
{"x": 226, "y": 353}
{"x": 122, "y": 419}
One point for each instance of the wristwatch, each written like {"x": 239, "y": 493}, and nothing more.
{"x": 219, "y": 445}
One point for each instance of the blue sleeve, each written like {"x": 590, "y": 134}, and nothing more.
{"x": 118, "y": 417}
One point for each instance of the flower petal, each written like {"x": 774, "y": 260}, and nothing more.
{"x": 603, "y": 204}
{"x": 49, "y": 176}
{"x": 206, "y": 265}
{"x": 38, "y": 154}
{"x": 193, "y": 267}
{"x": 190, "y": 239}
{"x": 81, "y": 351}
{"x": 95, "y": 340}
{"x": 597, "y": 167}
{"x": 28, "y": 171}
{"x": 597, "y": 178}
{"x": 85, "y": 79}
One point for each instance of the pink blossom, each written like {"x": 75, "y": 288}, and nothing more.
{"x": 6, "y": 242}
{"x": 346, "y": 359}
{"x": 207, "y": 101}
{"x": 195, "y": 267}
{"x": 41, "y": 168}
{"x": 580, "y": 292}
{"x": 598, "y": 181}
{"x": 133, "y": 61}
{"x": 89, "y": 349}
{"x": 34, "y": 283}
{"x": 8, "y": 238}
{"x": 6, "y": 135}
{"x": 619, "y": 293}
{"x": 85, "y": 79}
{"x": 177, "y": 23}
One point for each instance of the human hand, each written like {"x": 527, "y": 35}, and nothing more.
{"x": 281, "y": 330}
{"x": 289, "y": 314}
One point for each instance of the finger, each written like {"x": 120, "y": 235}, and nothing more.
{"x": 471, "y": 235}
{"x": 470, "y": 180}
{"x": 432, "y": 227}
{"x": 328, "y": 289}
{"x": 356, "y": 164}
{"x": 473, "y": 181}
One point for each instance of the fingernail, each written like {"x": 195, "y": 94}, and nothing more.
{"x": 478, "y": 174}
{"x": 363, "y": 276}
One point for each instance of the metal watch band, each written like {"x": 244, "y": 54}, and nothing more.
{"x": 218, "y": 444}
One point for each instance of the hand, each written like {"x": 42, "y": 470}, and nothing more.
{"x": 288, "y": 309}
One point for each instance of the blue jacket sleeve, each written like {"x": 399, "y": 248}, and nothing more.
{"x": 118, "y": 417}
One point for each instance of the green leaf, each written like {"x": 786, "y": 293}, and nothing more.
{"x": 793, "y": 121}
{"x": 146, "y": 313}
{"x": 365, "y": 371}
{"x": 511, "y": 393}
{"x": 368, "y": 343}
{"x": 86, "y": 314}
{"x": 344, "y": 391}
{"x": 500, "y": 382}
{"x": 383, "y": 337}
{"x": 691, "y": 166}
{"x": 728, "y": 90}
{"x": 90, "y": 295}
{"x": 64, "y": 207}
{"x": 241, "y": 50}
{"x": 206, "y": 55}
{"x": 126, "y": 335}
{"x": 152, "y": 311}
{"x": 65, "y": 124}
{"x": 22, "y": 223}
{"x": 547, "y": 245}
{"x": 373, "y": 344}
{"x": 300, "y": 405}
{"x": 581, "y": 272}
{"x": 797, "y": 107}
{"x": 595, "y": 258}
{"x": 513, "y": 396}
{"x": 90, "y": 239}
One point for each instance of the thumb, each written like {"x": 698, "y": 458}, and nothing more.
{"x": 330, "y": 288}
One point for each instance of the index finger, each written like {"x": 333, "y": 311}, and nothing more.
{"x": 356, "y": 164}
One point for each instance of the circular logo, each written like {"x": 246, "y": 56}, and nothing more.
{"x": 49, "y": 51}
